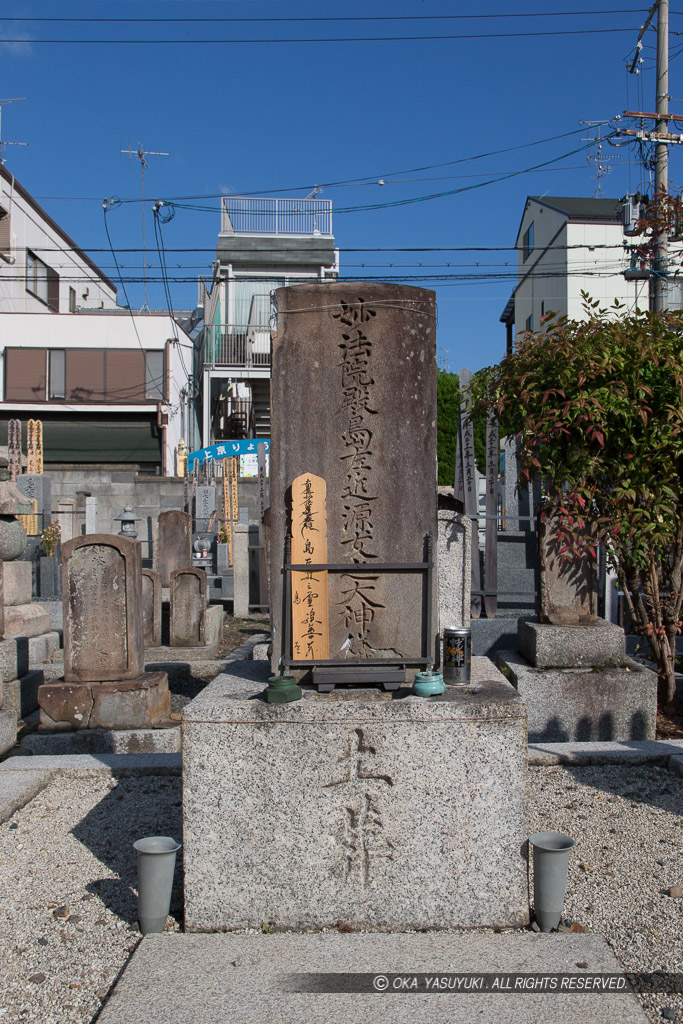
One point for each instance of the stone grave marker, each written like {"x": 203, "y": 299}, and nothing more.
{"x": 37, "y": 488}
{"x": 175, "y": 543}
{"x": 104, "y": 684}
{"x": 103, "y": 625}
{"x": 188, "y": 607}
{"x": 66, "y": 517}
{"x": 354, "y": 402}
{"x": 205, "y": 508}
{"x": 151, "y": 607}
{"x": 91, "y": 515}
{"x": 567, "y": 587}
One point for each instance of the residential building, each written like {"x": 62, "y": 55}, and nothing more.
{"x": 108, "y": 385}
{"x": 264, "y": 244}
{"x": 569, "y": 245}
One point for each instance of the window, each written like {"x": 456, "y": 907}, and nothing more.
{"x": 57, "y": 386}
{"x": 72, "y": 300}
{"x": 528, "y": 242}
{"x": 529, "y": 325}
{"x": 42, "y": 281}
{"x": 154, "y": 376}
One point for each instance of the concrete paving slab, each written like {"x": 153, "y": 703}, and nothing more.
{"x": 17, "y": 788}
{"x": 96, "y": 764}
{"x": 624, "y": 752}
{"x": 213, "y": 979}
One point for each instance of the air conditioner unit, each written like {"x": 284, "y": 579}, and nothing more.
{"x": 634, "y": 209}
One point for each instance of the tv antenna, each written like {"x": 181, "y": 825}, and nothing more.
{"x": 602, "y": 167}
{"x": 141, "y": 153}
{"x": 14, "y": 99}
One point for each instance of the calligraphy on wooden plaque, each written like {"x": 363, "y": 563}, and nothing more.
{"x": 14, "y": 449}
{"x": 310, "y": 615}
{"x": 34, "y": 447}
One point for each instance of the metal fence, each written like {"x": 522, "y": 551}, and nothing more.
{"x": 237, "y": 345}
{"x": 244, "y": 215}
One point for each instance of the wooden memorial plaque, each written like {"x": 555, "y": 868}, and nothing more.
{"x": 34, "y": 446}
{"x": 310, "y": 613}
{"x": 14, "y": 448}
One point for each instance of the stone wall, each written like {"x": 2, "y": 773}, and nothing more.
{"x": 117, "y": 485}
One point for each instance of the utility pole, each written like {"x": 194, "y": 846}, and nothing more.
{"x": 661, "y": 254}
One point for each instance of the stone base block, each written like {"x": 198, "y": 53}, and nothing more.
{"x": 582, "y": 646}
{"x": 100, "y": 741}
{"x": 385, "y": 811}
{"x": 21, "y": 695}
{"x": 127, "y": 704}
{"x": 8, "y": 730}
{"x": 583, "y": 704}
{"x": 181, "y": 654}
{"x": 16, "y": 583}
{"x": 213, "y": 629}
{"x": 26, "y": 620}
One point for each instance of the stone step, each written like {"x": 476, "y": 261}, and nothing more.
{"x": 247, "y": 978}
{"x": 517, "y": 549}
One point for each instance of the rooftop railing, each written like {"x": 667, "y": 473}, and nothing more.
{"x": 244, "y": 215}
{"x": 242, "y": 345}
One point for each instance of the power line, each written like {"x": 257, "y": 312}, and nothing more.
{"x": 389, "y": 17}
{"x": 317, "y": 39}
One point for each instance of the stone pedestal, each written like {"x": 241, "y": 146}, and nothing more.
{"x": 381, "y": 813}
{"x": 125, "y": 704}
{"x": 579, "y": 685}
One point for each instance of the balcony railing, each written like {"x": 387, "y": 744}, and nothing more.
{"x": 244, "y": 215}
{"x": 245, "y": 346}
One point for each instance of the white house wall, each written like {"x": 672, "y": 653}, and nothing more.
{"x": 28, "y": 230}
{"x": 106, "y": 331}
{"x": 597, "y": 268}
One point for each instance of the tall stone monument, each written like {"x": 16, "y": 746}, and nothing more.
{"x": 104, "y": 685}
{"x": 354, "y": 403}
{"x": 369, "y": 811}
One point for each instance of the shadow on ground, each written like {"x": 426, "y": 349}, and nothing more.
{"x": 135, "y": 807}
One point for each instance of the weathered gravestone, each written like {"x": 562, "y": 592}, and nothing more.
{"x": 91, "y": 514}
{"x": 193, "y": 623}
{"x": 175, "y": 543}
{"x": 571, "y": 666}
{"x": 205, "y": 507}
{"x": 568, "y": 582}
{"x": 151, "y": 607}
{"x": 188, "y": 607}
{"x": 354, "y": 403}
{"x": 38, "y": 488}
{"x": 104, "y": 684}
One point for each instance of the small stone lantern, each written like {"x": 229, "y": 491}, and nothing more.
{"x": 128, "y": 519}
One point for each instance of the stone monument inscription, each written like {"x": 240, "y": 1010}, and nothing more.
{"x": 354, "y": 402}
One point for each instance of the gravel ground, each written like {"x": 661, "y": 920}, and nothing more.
{"x": 67, "y": 879}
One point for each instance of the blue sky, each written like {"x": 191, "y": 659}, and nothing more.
{"x": 258, "y": 117}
